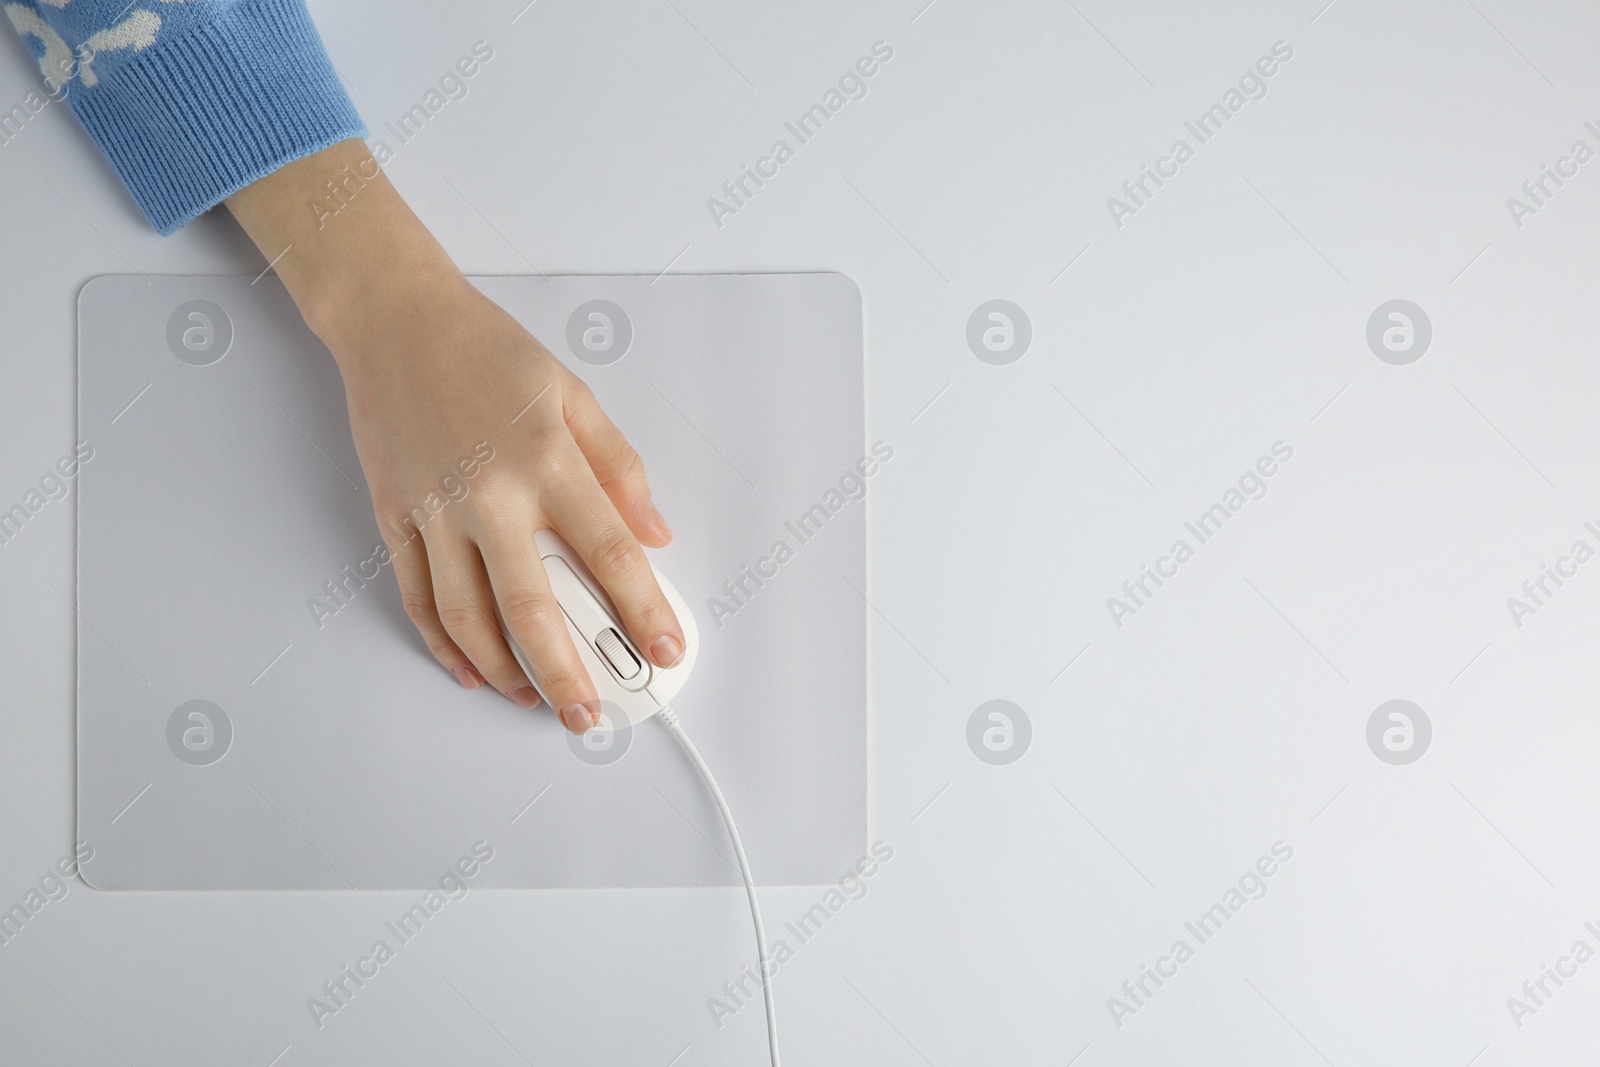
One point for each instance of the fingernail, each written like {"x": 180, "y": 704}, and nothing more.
{"x": 661, "y": 520}
{"x": 526, "y": 697}
{"x": 576, "y": 718}
{"x": 467, "y": 677}
{"x": 666, "y": 650}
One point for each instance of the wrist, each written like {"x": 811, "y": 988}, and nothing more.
{"x": 352, "y": 302}
{"x": 347, "y": 247}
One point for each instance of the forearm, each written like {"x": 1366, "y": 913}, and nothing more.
{"x": 344, "y": 242}
{"x": 189, "y": 101}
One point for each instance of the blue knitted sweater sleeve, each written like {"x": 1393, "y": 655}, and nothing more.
{"x": 190, "y": 100}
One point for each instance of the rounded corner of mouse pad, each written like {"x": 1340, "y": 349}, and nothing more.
{"x": 255, "y": 711}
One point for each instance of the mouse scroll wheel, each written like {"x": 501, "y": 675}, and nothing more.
{"x": 616, "y": 653}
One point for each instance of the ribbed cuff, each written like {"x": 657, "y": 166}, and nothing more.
{"x": 204, "y": 114}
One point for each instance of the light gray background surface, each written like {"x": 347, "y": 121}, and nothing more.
{"x": 352, "y": 759}
{"x": 1167, "y": 356}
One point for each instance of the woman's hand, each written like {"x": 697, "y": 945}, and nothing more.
{"x": 438, "y": 378}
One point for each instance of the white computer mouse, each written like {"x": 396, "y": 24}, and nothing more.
{"x": 632, "y": 690}
{"x": 630, "y": 686}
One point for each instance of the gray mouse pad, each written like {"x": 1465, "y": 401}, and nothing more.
{"x": 255, "y": 711}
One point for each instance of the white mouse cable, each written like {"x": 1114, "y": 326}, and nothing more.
{"x": 671, "y": 720}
